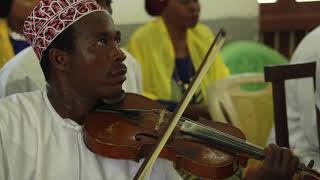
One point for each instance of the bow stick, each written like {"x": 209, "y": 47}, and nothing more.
{"x": 146, "y": 167}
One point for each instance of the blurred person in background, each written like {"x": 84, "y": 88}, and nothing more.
{"x": 12, "y": 15}
{"x": 302, "y": 122}
{"x": 170, "y": 49}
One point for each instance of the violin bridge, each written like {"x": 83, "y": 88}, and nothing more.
{"x": 160, "y": 120}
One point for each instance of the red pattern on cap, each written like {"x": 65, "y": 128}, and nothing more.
{"x": 51, "y": 17}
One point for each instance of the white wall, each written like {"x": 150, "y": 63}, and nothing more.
{"x": 132, "y": 11}
{"x": 129, "y": 11}
{"x": 214, "y": 9}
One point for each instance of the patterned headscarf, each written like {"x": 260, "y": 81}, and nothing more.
{"x": 155, "y": 7}
{"x": 51, "y": 17}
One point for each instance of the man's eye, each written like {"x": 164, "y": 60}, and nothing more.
{"x": 118, "y": 41}
{"x": 118, "y": 37}
{"x": 102, "y": 42}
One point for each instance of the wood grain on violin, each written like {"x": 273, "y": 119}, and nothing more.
{"x": 131, "y": 134}
{"x": 207, "y": 149}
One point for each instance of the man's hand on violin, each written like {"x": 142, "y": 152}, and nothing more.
{"x": 279, "y": 164}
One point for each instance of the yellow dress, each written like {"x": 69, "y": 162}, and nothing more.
{"x": 152, "y": 47}
{"x": 6, "y": 49}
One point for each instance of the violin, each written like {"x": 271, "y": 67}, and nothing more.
{"x": 207, "y": 149}
{"x": 129, "y": 130}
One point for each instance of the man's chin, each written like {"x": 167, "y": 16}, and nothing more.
{"x": 115, "y": 97}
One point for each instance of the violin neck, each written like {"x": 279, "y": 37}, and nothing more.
{"x": 230, "y": 143}
{"x": 220, "y": 139}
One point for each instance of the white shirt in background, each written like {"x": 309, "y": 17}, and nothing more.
{"x": 301, "y": 101}
{"x": 37, "y": 144}
{"x": 24, "y": 74}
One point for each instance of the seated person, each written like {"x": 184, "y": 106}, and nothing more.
{"x": 41, "y": 133}
{"x": 12, "y": 15}
{"x": 170, "y": 49}
{"x": 42, "y": 138}
{"x": 302, "y": 123}
{"x": 23, "y": 73}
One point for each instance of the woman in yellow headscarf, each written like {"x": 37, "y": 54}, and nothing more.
{"x": 170, "y": 49}
{"x": 12, "y": 15}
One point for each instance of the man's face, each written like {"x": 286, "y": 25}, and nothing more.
{"x": 96, "y": 68}
{"x": 185, "y": 13}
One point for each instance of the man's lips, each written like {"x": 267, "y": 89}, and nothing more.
{"x": 117, "y": 76}
{"x": 117, "y": 80}
{"x": 120, "y": 70}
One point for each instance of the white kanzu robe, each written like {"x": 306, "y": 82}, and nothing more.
{"x": 37, "y": 144}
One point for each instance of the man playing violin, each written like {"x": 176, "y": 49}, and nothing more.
{"x": 42, "y": 137}
{"x": 41, "y": 132}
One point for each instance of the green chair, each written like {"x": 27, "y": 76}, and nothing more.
{"x": 250, "y": 57}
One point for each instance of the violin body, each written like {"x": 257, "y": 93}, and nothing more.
{"x": 131, "y": 137}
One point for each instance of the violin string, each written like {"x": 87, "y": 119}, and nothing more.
{"x": 228, "y": 142}
{"x": 209, "y": 128}
{"x": 224, "y": 137}
{"x": 240, "y": 144}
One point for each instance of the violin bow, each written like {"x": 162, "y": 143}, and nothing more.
{"x": 146, "y": 167}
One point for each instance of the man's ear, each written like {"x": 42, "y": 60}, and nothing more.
{"x": 59, "y": 59}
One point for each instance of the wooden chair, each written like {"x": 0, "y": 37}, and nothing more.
{"x": 277, "y": 75}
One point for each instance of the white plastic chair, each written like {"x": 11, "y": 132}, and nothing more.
{"x": 250, "y": 111}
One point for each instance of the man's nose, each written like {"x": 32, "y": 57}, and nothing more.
{"x": 120, "y": 55}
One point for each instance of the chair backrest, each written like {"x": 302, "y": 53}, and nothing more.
{"x": 277, "y": 75}
{"x": 251, "y": 111}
